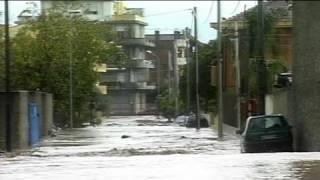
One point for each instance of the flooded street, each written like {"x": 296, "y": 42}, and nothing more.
{"x": 144, "y": 147}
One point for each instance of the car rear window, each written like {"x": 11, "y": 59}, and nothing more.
{"x": 263, "y": 123}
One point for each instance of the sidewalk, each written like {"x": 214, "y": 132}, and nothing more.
{"x": 227, "y": 129}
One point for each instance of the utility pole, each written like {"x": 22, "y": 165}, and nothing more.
{"x": 197, "y": 66}
{"x": 220, "y": 61}
{"x": 261, "y": 62}
{"x": 176, "y": 75}
{"x": 71, "y": 76}
{"x": 158, "y": 77}
{"x": 7, "y": 77}
{"x": 169, "y": 73}
{"x": 238, "y": 85}
{"x": 187, "y": 37}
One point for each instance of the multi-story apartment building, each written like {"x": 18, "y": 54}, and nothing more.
{"x": 172, "y": 50}
{"x": 128, "y": 87}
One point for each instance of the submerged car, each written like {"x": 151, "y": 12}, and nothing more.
{"x": 267, "y": 133}
{"x": 191, "y": 121}
{"x": 181, "y": 120}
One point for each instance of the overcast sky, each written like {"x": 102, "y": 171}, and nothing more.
{"x": 167, "y": 16}
{"x": 157, "y": 18}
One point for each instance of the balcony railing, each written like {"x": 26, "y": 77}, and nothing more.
{"x": 141, "y": 63}
{"x": 138, "y": 76}
{"x": 137, "y": 42}
{"x": 111, "y": 77}
{"x": 132, "y": 86}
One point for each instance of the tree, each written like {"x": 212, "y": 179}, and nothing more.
{"x": 42, "y": 52}
{"x": 167, "y": 104}
{"x": 271, "y": 18}
{"x": 277, "y": 64}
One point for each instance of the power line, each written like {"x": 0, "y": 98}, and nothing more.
{"x": 192, "y": 23}
{"x": 164, "y": 29}
{"x": 236, "y": 7}
{"x": 209, "y": 13}
{"x": 167, "y": 13}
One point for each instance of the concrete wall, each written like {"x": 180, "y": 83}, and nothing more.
{"x": 281, "y": 102}
{"x": 277, "y": 103}
{"x": 47, "y": 111}
{"x": 20, "y": 101}
{"x": 306, "y": 73}
{"x": 229, "y": 108}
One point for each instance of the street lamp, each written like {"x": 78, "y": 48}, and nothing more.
{"x": 158, "y": 73}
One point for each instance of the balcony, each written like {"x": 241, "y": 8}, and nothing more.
{"x": 137, "y": 42}
{"x": 131, "y": 86}
{"x": 114, "y": 77}
{"x": 128, "y": 17}
{"x": 135, "y": 76}
{"x": 141, "y": 63}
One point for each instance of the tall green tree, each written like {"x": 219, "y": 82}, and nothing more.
{"x": 44, "y": 48}
{"x": 166, "y": 103}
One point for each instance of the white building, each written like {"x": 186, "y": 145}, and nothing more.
{"x": 92, "y": 10}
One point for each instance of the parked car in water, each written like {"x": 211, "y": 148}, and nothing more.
{"x": 191, "y": 121}
{"x": 181, "y": 120}
{"x": 266, "y": 133}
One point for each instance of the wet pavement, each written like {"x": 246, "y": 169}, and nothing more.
{"x": 145, "y": 148}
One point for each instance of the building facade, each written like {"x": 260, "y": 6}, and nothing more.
{"x": 172, "y": 52}
{"x": 306, "y": 72}
{"x": 91, "y": 10}
{"x": 236, "y": 33}
{"x": 129, "y": 87}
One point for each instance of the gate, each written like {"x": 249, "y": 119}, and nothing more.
{"x": 34, "y": 125}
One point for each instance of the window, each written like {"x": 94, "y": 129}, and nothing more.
{"x": 122, "y": 34}
{"x": 180, "y": 53}
{"x": 92, "y": 9}
{"x": 91, "y": 12}
{"x": 267, "y": 123}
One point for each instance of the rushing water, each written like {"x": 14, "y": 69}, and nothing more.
{"x": 151, "y": 149}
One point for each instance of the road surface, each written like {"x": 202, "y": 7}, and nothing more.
{"x": 145, "y": 148}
